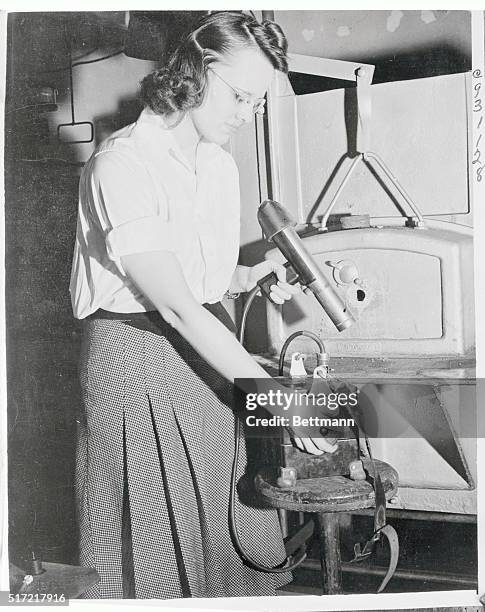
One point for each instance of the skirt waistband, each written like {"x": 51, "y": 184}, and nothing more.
{"x": 153, "y": 321}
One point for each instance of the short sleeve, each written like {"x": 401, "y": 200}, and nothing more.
{"x": 126, "y": 206}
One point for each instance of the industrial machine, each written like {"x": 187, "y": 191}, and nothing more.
{"x": 345, "y": 453}
{"x": 396, "y": 261}
{"x": 404, "y": 271}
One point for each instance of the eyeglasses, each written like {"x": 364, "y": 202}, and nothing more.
{"x": 257, "y": 105}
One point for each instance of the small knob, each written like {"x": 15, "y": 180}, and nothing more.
{"x": 345, "y": 272}
{"x": 37, "y": 568}
{"x": 357, "y": 470}
{"x": 348, "y": 273}
{"x": 287, "y": 478}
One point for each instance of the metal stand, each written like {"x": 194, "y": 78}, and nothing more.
{"x": 330, "y": 561}
{"x": 327, "y": 497}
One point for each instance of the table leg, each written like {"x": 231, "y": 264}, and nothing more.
{"x": 283, "y": 516}
{"x": 330, "y": 552}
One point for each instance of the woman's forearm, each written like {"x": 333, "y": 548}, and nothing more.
{"x": 158, "y": 275}
{"x": 239, "y": 281}
{"x": 212, "y": 340}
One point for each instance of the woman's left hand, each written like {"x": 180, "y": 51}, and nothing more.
{"x": 281, "y": 291}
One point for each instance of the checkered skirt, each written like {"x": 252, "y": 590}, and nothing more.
{"x": 158, "y": 432}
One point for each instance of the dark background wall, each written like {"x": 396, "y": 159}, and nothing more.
{"x": 41, "y": 205}
{"x": 43, "y": 338}
{"x": 110, "y": 53}
{"x": 42, "y": 342}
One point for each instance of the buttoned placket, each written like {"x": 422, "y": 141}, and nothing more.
{"x": 199, "y": 187}
{"x": 203, "y": 209}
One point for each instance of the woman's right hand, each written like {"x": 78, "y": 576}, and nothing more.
{"x": 314, "y": 446}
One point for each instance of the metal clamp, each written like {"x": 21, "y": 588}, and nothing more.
{"x": 380, "y": 526}
{"x": 391, "y": 535}
{"x": 297, "y": 367}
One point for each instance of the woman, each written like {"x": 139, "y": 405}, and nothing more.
{"x": 156, "y": 250}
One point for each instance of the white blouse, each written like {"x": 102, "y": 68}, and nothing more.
{"x": 137, "y": 193}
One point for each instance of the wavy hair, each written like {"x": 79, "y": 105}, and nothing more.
{"x": 181, "y": 85}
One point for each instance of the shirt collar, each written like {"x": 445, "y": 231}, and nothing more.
{"x": 166, "y": 138}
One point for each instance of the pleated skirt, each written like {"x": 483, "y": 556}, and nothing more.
{"x": 154, "y": 457}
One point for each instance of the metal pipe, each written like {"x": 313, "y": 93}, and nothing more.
{"x": 330, "y": 564}
{"x": 310, "y": 274}
{"x": 285, "y": 346}
{"x": 465, "y": 580}
{"x": 279, "y": 227}
{"x": 422, "y": 515}
{"x": 369, "y": 155}
{"x": 350, "y": 170}
{"x": 326, "y": 67}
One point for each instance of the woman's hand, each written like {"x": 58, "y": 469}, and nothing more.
{"x": 316, "y": 446}
{"x": 319, "y": 444}
{"x": 280, "y": 292}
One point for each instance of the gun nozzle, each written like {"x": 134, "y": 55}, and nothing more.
{"x": 345, "y": 324}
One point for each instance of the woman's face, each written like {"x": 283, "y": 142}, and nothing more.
{"x": 234, "y": 86}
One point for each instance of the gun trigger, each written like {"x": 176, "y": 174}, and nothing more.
{"x": 291, "y": 275}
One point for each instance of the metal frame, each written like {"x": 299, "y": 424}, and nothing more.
{"x": 306, "y": 64}
{"x": 362, "y": 74}
{"x": 460, "y": 580}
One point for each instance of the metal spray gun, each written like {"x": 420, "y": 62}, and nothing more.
{"x": 278, "y": 227}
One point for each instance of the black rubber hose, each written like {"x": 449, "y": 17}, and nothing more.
{"x": 286, "y": 565}
{"x": 247, "y": 306}
{"x": 285, "y": 346}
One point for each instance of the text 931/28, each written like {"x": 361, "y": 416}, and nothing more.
{"x": 477, "y": 106}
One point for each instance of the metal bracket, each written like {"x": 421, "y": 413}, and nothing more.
{"x": 391, "y": 535}
{"x": 384, "y": 173}
{"x": 297, "y": 367}
{"x": 362, "y": 75}
{"x": 330, "y": 68}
